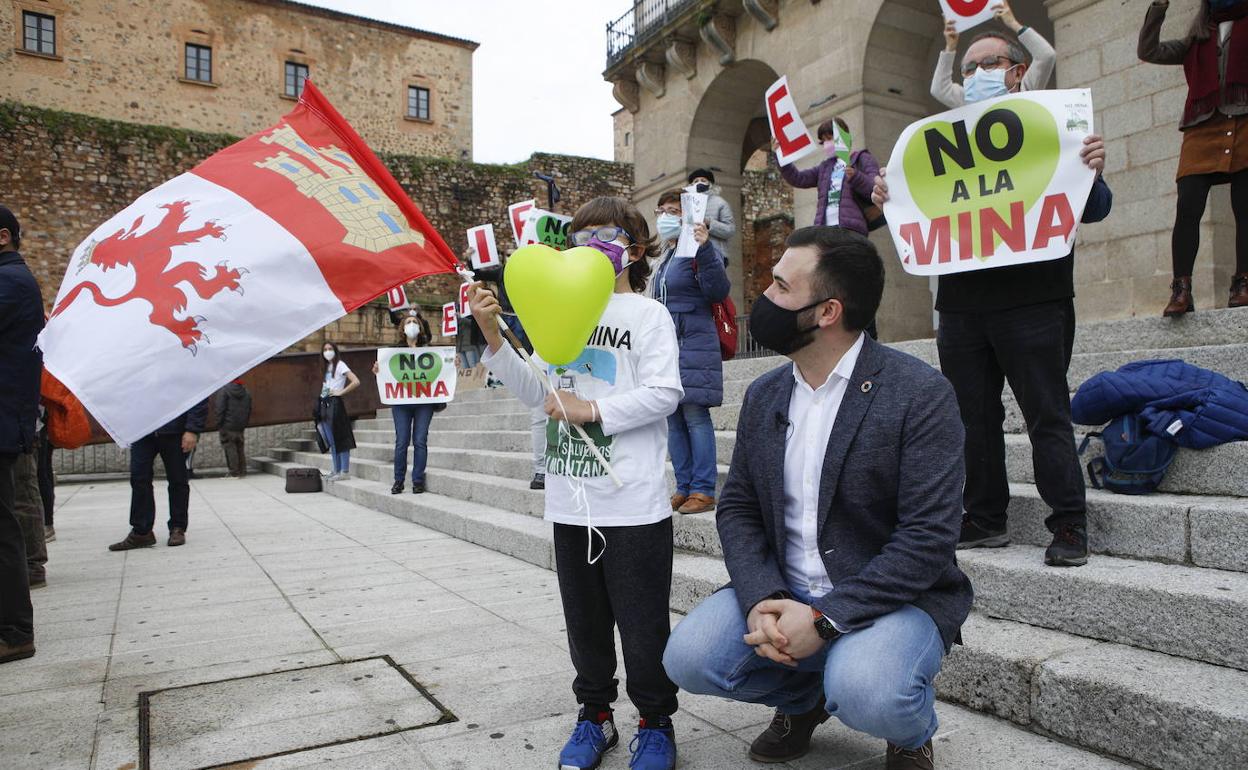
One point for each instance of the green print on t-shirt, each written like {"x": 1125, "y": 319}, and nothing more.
{"x": 567, "y": 454}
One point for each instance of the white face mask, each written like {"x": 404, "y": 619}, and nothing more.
{"x": 412, "y": 331}
{"x": 329, "y": 355}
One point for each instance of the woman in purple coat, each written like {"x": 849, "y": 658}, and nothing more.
{"x": 688, "y": 287}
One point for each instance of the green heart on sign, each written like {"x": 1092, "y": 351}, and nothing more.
{"x": 409, "y": 367}
{"x": 1012, "y": 158}
{"x": 559, "y": 296}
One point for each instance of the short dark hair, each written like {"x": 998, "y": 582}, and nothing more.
{"x": 1014, "y": 51}
{"x": 848, "y": 269}
{"x": 671, "y": 196}
{"x": 610, "y": 210}
{"x": 8, "y": 221}
{"x": 827, "y": 128}
{"x": 697, "y": 172}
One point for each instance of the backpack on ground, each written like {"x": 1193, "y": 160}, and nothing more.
{"x": 1135, "y": 460}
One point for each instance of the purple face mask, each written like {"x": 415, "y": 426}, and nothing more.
{"x": 614, "y": 251}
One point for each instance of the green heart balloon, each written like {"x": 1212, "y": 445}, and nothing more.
{"x": 559, "y": 296}
{"x": 988, "y": 183}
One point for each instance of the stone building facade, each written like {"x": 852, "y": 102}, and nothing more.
{"x": 235, "y": 66}
{"x": 692, "y": 73}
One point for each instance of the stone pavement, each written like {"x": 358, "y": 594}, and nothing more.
{"x": 271, "y": 582}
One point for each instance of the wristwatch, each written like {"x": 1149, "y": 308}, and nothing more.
{"x": 824, "y": 627}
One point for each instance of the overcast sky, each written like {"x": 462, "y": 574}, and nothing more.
{"x": 543, "y": 93}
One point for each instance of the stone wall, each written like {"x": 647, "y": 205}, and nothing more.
{"x": 765, "y": 222}
{"x": 66, "y": 173}
{"x": 125, "y": 60}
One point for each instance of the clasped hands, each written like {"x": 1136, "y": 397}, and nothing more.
{"x": 783, "y": 630}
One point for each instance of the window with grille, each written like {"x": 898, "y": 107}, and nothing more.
{"x": 39, "y": 33}
{"x": 418, "y": 102}
{"x": 198, "y": 63}
{"x": 295, "y": 75}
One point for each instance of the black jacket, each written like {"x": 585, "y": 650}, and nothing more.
{"x": 190, "y": 421}
{"x": 233, "y": 407}
{"x": 21, "y": 362}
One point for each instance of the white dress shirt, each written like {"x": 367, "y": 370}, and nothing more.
{"x": 812, "y": 413}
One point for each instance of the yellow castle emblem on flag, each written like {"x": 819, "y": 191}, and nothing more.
{"x": 332, "y": 178}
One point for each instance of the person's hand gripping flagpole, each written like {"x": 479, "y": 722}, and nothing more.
{"x": 468, "y": 275}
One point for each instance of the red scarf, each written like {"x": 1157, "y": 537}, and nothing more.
{"x": 1204, "y": 88}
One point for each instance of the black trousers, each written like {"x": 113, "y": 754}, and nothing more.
{"x": 47, "y": 479}
{"x": 629, "y": 586}
{"x": 17, "y": 617}
{"x": 1193, "y": 196}
{"x": 142, "y": 498}
{"x": 1031, "y": 348}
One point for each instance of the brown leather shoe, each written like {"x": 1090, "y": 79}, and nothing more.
{"x": 697, "y": 503}
{"x": 910, "y": 759}
{"x": 1239, "y": 290}
{"x": 788, "y": 736}
{"x": 1180, "y": 298}
{"x": 133, "y": 541}
{"x": 678, "y": 500}
{"x": 10, "y": 652}
{"x": 177, "y": 537}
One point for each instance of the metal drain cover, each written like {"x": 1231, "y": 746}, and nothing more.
{"x": 251, "y": 718}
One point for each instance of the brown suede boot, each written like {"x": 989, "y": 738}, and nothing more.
{"x": 1180, "y": 297}
{"x": 697, "y": 503}
{"x": 788, "y": 736}
{"x": 10, "y": 652}
{"x": 910, "y": 759}
{"x": 1239, "y": 290}
{"x": 177, "y": 537}
{"x": 678, "y": 500}
{"x": 133, "y": 541}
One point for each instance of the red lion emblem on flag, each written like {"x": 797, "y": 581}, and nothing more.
{"x": 149, "y": 255}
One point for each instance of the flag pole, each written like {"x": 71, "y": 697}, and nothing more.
{"x": 550, "y": 389}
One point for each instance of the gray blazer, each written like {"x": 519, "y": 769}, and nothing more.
{"x": 722, "y": 225}
{"x": 890, "y": 498}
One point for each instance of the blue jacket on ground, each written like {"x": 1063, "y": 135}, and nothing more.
{"x": 689, "y": 298}
{"x": 1194, "y": 407}
{"x": 21, "y": 362}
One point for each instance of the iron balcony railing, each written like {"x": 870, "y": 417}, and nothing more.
{"x": 746, "y": 346}
{"x": 640, "y": 23}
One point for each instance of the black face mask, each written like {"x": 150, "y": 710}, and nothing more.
{"x": 776, "y": 328}
{"x": 702, "y": 187}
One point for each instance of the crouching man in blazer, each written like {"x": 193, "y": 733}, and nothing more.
{"x": 839, "y": 521}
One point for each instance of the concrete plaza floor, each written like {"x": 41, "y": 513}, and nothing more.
{"x": 270, "y": 582}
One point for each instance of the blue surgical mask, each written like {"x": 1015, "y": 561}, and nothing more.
{"x": 985, "y": 84}
{"x": 668, "y": 226}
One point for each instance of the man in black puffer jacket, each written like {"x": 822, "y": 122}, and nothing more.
{"x": 233, "y": 412}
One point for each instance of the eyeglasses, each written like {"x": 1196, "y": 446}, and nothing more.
{"x": 606, "y": 234}
{"x": 987, "y": 63}
{"x": 673, "y": 210}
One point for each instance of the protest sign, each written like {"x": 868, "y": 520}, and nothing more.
{"x": 416, "y": 375}
{"x": 792, "y": 138}
{"x": 484, "y": 249}
{"x": 990, "y": 184}
{"x": 450, "y": 324}
{"x": 546, "y": 227}
{"x": 968, "y": 13}
{"x": 461, "y": 305}
{"x": 397, "y": 297}
{"x": 692, "y": 212}
{"x": 517, "y": 215}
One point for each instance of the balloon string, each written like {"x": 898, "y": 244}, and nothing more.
{"x": 580, "y": 499}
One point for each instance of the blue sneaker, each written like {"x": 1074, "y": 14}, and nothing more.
{"x": 589, "y": 741}
{"x": 654, "y": 748}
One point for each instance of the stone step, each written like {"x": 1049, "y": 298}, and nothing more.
{"x": 1205, "y": 531}
{"x": 1196, "y": 613}
{"x": 1157, "y": 710}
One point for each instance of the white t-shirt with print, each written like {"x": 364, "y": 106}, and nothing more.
{"x": 337, "y": 380}
{"x": 631, "y": 369}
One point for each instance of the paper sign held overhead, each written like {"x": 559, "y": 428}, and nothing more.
{"x": 787, "y": 128}
{"x": 397, "y": 297}
{"x": 461, "y": 304}
{"x": 546, "y": 227}
{"x": 990, "y": 184}
{"x": 416, "y": 375}
{"x": 968, "y": 13}
{"x": 450, "y": 324}
{"x": 517, "y": 215}
{"x": 484, "y": 249}
{"x": 692, "y": 212}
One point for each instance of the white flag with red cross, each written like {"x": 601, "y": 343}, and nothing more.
{"x": 218, "y": 269}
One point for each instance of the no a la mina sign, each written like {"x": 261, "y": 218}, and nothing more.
{"x": 990, "y": 184}
{"x": 416, "y": 375}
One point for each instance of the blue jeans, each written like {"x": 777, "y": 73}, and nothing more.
{"x": 877, "y": 680}
{"x": 411, "y": 426}
{"x": 691, "y": 443}
{"x": 342, "y": 460}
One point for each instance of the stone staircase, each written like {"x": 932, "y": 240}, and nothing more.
{"x": 1141, "y": 655}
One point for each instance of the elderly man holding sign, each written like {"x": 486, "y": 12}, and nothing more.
{"x": 987, "y": 197}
